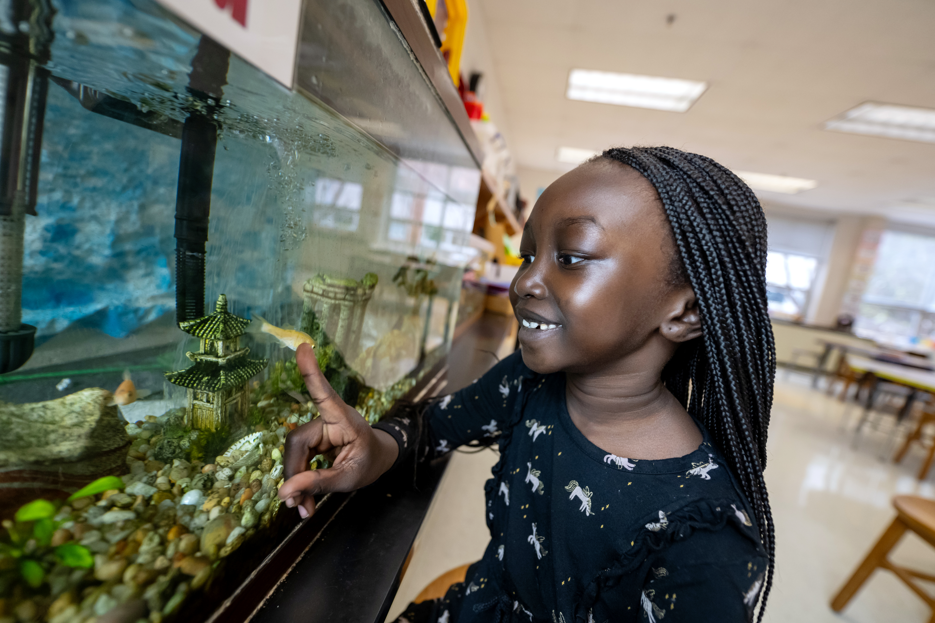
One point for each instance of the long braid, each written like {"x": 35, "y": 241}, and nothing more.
{"x": 726, "y": 382}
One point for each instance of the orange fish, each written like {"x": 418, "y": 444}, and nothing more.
{"x": 127, "y": 393}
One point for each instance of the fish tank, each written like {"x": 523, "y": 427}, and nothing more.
{"x": 173, "y": 222}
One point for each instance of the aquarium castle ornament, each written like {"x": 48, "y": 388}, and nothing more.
{"x": 217, "y": 383}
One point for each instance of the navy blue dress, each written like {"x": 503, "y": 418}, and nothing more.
{"x": 578, "y": 534}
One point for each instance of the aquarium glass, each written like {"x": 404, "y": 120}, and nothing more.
{"x": 143, "y": 445}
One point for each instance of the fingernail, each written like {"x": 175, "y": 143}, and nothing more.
{"x": 302, "y": 512}
{"x": 290, "y": 502}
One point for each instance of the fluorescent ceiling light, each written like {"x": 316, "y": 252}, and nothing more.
{"x": 631, "y": 90}
{"x": 573, "y": 155}
{"x": 889, "y": 120}
{"x": 776, "y": 183}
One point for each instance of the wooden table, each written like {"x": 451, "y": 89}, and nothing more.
{"x": 915, "y": 379}
{"x": 878, "y": 354}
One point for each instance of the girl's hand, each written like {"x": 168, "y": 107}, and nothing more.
{"x": 363, "y": 453}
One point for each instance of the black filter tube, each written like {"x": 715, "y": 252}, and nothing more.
{"x": 196, "y": 174}
{"x": 192, "y": 209}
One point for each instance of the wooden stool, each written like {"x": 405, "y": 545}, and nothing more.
{"x": 847, "y": 375}
{"x": 440, "y": 585}
{"x": 928, "y": 417}
{"x": 912, "y": 513}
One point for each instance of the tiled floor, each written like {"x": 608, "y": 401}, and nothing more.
{"x": 830, "y": 503}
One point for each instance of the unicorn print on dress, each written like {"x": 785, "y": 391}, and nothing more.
{"x": 444, "y": 617}
{"x": 582, "y": 494}
{"x": 701, "y": 469}
{"x": 535, "y": 429}
{"x": 500, "y": 551}
{"x": 653, "y": 612}
{"x": 742, "y": 515}
{"x": 445, "y": 402}
{"x": 505, "y": 492}
{"x": 518, "y": 607}
{"x": 443, "y": 446}
{"x": 532, "y": 476}
{"x": 401, "y": 432}
{"x": 491, "y": 429}
{"x": 620, "y": 462}
{"x": 656, "y": 526}
{"x": 519, "y": 384}
{"x": 536, "y": 541}
{"x": 504, "y": 387}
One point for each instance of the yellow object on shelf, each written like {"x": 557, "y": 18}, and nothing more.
{"x": 453, "y": 33}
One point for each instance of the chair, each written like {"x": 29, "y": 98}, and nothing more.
{"x": 912, "y": 513}
{"x": 847, "y": 375}
{"x": 440, "y": 585}
{"x": 927, "y": 417}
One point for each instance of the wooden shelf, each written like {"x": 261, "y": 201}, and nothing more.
{"x": 503, "y": 213}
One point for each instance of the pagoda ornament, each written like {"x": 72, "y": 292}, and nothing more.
{"x": 217, "y": 382}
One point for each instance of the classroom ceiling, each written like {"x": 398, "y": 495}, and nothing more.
{"x": 777, "y": 71}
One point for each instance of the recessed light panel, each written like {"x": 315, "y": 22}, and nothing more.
{"x": 632, "y": 90}
{"x": 776, "y": 183}
{"x": 889, "y": 120}
{"x": 573, "y": 155}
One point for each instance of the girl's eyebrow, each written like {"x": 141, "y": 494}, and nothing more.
{"x": 579, "y": 220}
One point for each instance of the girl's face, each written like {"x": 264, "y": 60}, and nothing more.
{"x": 596, "y": 255}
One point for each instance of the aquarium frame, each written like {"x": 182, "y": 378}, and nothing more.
{"x": 412, "y": 25}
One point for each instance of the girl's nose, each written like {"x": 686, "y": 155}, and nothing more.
{"x": 528, "y": 282}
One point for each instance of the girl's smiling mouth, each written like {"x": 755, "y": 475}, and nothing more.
{"x": 541, "y": 326}
{"x": 535, "y": 322}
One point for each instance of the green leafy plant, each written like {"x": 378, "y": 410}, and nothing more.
{"x": 30, "y": 537}
{"x": 100, "y": 485}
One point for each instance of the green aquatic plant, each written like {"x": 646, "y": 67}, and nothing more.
{"x": 28, "y": 546}
{"x": 107, "y": 483}
{"x": 255, "y": 416}
{"x": 418, "y": 283}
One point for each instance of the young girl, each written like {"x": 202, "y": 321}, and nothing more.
{"x": 632, "y": 423}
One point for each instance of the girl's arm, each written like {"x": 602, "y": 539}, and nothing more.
{"x": 477, "y": 413}
{"x": 365, "y": 453}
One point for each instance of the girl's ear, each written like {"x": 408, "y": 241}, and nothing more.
{"x": 683, "y": 322}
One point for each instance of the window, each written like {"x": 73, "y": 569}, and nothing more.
{"x": 898, "y": 305}
{"x": 797, "y": 249}
{"x": 789, "y": 280}
{"x": 337, "y": 204}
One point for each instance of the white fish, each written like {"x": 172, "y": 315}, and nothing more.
{"x": 288, "y": 338}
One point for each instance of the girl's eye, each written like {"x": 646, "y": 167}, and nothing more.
{"x": 569, "y": 260}
{"x": 527, "y": 258}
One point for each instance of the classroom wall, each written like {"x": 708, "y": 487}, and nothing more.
{"x": 531, "y": 180}
{"x": 476, "y": 56}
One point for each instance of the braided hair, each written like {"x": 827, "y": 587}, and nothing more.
{"x": 725, "y": 379}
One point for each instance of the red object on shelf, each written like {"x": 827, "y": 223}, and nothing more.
{"x": 475, "y": 110}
